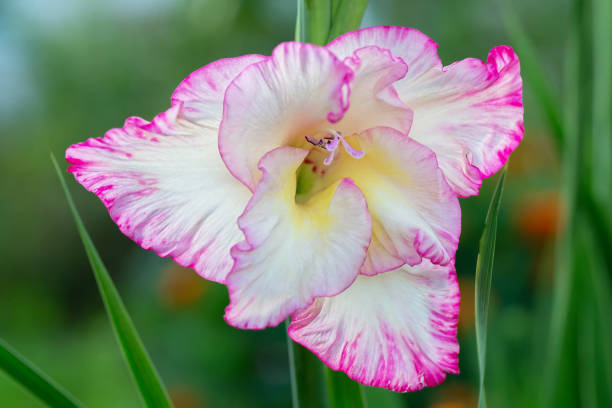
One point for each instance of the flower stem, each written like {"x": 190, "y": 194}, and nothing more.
{"x": 307, "y": 377}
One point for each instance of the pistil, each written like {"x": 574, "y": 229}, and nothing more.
{"x": 330, "y": 142}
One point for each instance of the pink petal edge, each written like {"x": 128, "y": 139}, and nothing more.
{"x": 404, "y": 357}
{"x": 139, "y": 138}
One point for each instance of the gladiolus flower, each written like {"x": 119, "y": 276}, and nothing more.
{"x": 321, "y": 184}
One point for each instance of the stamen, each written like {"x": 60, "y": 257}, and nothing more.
{"x": 329, "y": 158}
{"x": 331, "y": 142}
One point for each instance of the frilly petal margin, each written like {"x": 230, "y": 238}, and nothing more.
{"x": 396, "y": 330}
{"x": 166, "y": 188}
{"x": 294, "y": 252}
{"x": 164, "y": 183}
{"x": 373, "y": 99}
{"x": 416, "y": 50}
{"x": 279, "y": 100}
{"x": 202, "y": 92}
{"x": 469, "y": 113}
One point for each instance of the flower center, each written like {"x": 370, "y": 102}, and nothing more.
{"x": 330, "y": 142}
{"x": 313, "y": 175}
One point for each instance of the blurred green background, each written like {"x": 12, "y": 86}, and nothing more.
{"x": 72, "y": 69}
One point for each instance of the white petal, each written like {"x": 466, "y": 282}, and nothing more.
{"x": 469, "y": 113}
{"x": 166, "y": 187}
{"x": 294, "y": 252}
{"x": 416, "y": 50}
{"x": 415, "y": 213}
{"x": 396, "y": 330}
{"x": 373, "y": 99}
{"x": 299, "y": 89}
{"x": 202, "y": 92}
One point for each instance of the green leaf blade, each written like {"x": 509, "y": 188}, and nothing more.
{"x": 143, "y": 372}
{"x": 602, "y": 98}
{"x": 484, "y": 274}
{"x": 34, "y": 380}
{"x": 561, "y": 361}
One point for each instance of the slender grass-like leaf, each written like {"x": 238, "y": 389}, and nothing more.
{"x": 601, "y": 294}
{"x": 587, "y": 357}
{"x": 346, "y": 16}
{"x": 344, "y": 392}
{"x": 531, "y": 69}
{"x": 586, "y": 325}
{"x": 595, "y": 335}
{"x": 599, "y": 216}
{"x": 579, "y": 190}
{"x": 561, "y": 324}
{"x": 34, "y": 380}
{"x": 139, "y": 363}
{"x": 602, "y": 98}
{"x": 585, "y": 139}
{"x": 484, "y": 274}
{"x": 538, "y": 81}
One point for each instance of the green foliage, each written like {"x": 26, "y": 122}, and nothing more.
{"x": 602, "y": 98}
{"x": 347, "y": 15}
{"x": 314, "y": 386}
{"x": 34, "y": 380}
{"x": 138, "y": 361}
{"x": 344, "y": 392}
{"x": 484, "y": 274}
{"x": 307, "y": 381}
{"x": 532, "y": 71}
{"x": 314, "y": 21}
{"x": 581, "y": 294}
{"x": 574, "y": 323}
{"x": 320, "y": 21}
{"x": 592, "y": 192}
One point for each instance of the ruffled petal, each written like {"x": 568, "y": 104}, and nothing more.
{"x": 415, "y": 49}
{"x": 166, "y": 187}
{"x": 415, "y": 213}
{"x": 396, "y": 330}
{"x": 202, "y": 92}
{"x": 279, "y": 100}
{"x": 293, "y": 252}
{"x": 469, "y": 113}
{"x": 373, "y": 99}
